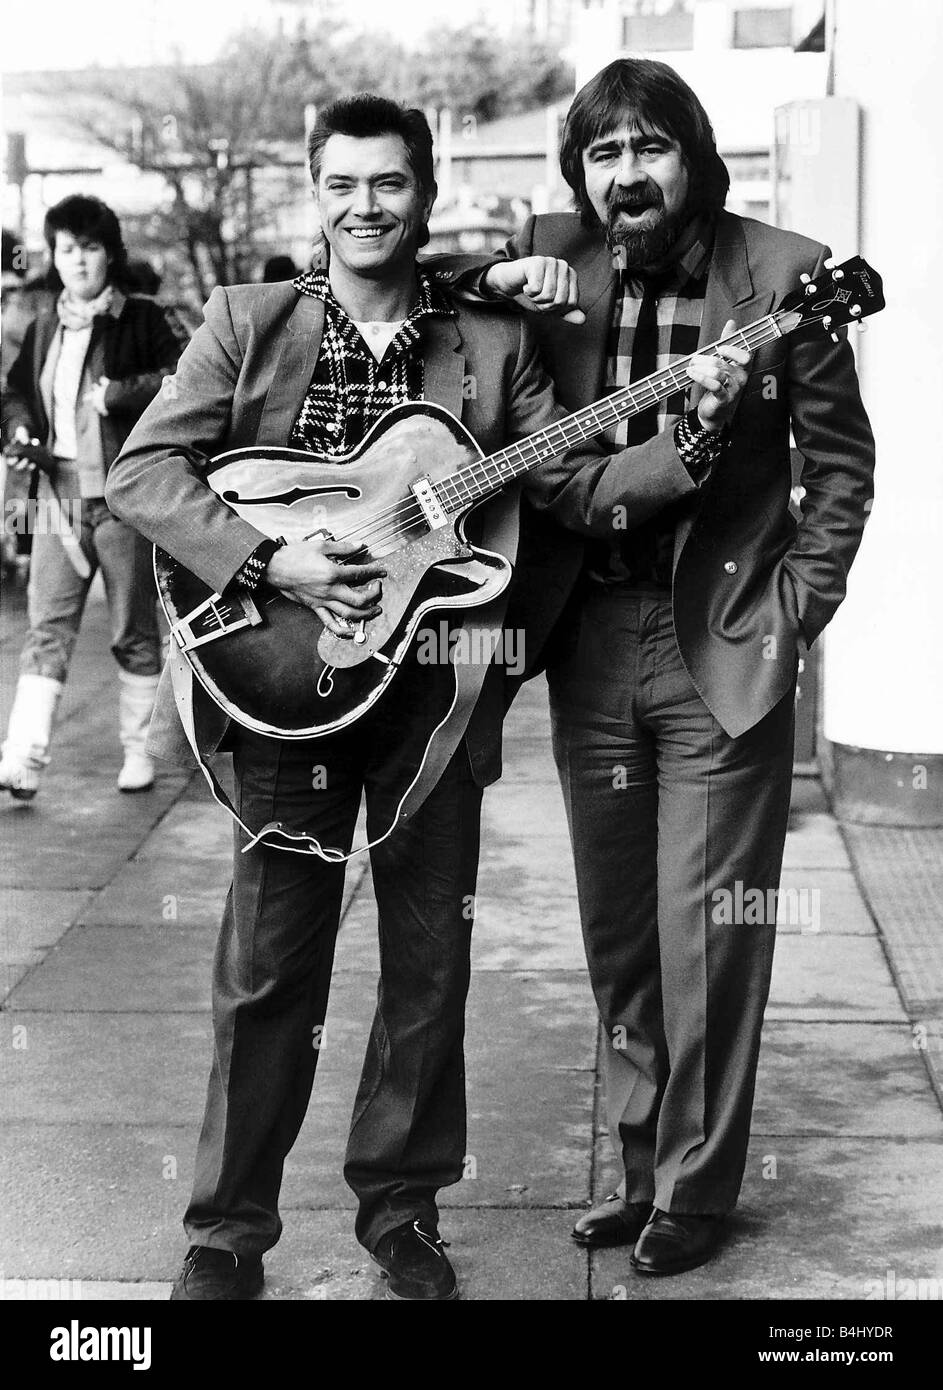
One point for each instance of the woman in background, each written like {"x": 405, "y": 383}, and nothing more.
{"x": 84, "y": 374}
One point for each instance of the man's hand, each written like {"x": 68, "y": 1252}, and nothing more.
{"x": 543, "y": 284}
{"x": 29, "y": 452}
{"x": 311, "y": 572}
{"x": 723, "y": 376}
{"x": 95, "y": 396}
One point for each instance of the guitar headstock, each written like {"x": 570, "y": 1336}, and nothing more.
{"x": 842, "y": 294}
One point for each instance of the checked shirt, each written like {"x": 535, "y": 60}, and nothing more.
{"x": 350, "y": 390}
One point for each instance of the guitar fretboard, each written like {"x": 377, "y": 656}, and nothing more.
{"x": 486, "y": 476}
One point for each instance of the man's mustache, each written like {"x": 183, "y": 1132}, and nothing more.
{"x": 650, "y": 196}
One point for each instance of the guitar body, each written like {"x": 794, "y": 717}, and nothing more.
{"x": 269, "y": 662}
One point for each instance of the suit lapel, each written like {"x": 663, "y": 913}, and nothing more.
{"x": 443, "y": 364}
{"x": 598, "y": 286}
{"x": 287, "y": 377}
{"x": 731, "y": 294}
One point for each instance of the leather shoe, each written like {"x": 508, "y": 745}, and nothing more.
{"x": 674, "y": 1241}
{"x": 615, "y": 1222}
{"x": 413, "y": 1258}
{"x": 218, "y": 1275}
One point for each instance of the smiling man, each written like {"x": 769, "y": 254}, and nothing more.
{"x": 314, "y": 364}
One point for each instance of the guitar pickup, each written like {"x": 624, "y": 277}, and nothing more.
{"x": 215, "y": 617}
{"x": 428, "y": 499}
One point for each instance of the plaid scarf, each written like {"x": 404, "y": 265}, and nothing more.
{"x": 644, "y": 556}
{"x": 681, "y": 289}
{"x": 350, "y": 390}
{"x": 78, "y": 313}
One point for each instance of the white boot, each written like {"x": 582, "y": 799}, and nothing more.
{"x": 136, "y": 702}
{"x": 25, "y": 751}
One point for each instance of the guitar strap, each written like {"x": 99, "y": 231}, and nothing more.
{"x": 442, "y": 743}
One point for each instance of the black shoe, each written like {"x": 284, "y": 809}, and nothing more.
{"x": 615, "y": 1222}
{"x": 673, "y": 1242}
{"x": 217, "y": 1274}
{"x": 413, "y": 1256}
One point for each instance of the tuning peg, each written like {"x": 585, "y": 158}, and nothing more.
{"x": 811, "y": 288}
{"x": 862, "y": 327}
{"x": 826, "y": 322}
{"x": 834, "y": 337}
{"x": 805, "y": 279}
{"x": 838, "y": 275}
{"x": 855, "y": 310}
{"x": 829, "y": 263}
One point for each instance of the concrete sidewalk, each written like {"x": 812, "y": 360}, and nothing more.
{"x": 110, "y": 910}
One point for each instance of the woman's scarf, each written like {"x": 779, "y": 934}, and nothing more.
{"x": 78, "y": 313}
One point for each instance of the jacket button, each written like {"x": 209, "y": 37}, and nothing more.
{"x": 730, "y": 567}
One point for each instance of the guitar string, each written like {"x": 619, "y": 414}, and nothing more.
{"x": 454, "y": 490}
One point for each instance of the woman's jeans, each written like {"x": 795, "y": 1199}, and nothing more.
{"x": 57, "y": 592}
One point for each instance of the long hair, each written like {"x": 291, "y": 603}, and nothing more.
{"x": 89, "y": 219}
{"x": 366, "y": 115}
{"x": 654, "y": 97}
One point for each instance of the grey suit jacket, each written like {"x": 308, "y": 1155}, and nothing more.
{"x": 242, "y": 380}
{"x": 749, "y": 585}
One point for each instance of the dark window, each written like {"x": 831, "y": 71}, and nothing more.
{"x": 763, "y": 28}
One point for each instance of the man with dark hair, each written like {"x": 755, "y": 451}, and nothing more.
{"x": 673, "y": 679}
{"x": 315, "y": 363}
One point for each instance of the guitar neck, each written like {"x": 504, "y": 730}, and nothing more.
{"x": 487, "y": 476}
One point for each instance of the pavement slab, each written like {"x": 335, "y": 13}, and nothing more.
{"x": 843, "y": 1079}
{"x": 151, "y": 892}
{"x": 93, "y": 1201}
{"x": 813, "y": 841}
{"x": 835, "y": 900}
{"x": 32, "y": 920}
{"x": 11, "y": 973}
{"x": 86, "y": 1067}
{"x": 108, "y": 970}
{"x": 832, "y": 978}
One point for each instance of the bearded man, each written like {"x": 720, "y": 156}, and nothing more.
{"x": 673, "y": 680}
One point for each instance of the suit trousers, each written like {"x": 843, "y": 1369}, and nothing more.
{"x": 667, "y": 813}
{"x": 273, "y": 967}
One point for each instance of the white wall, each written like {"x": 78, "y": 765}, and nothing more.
{"x": 884, "y": 652}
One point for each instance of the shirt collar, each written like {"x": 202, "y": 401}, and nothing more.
{"x": 430, "y": 300}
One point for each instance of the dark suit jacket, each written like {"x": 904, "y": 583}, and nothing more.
{"x": 136, "y": 350}
{"x": 242, "y": 380}
{"x": 748, "y": 584}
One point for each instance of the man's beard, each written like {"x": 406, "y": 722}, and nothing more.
{"x": 642, "y": 247}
